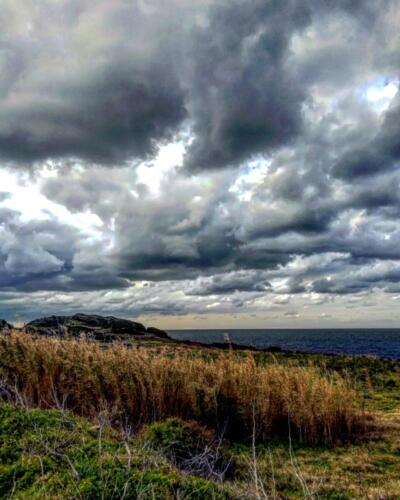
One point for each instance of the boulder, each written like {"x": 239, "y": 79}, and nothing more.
{"x": 99, "y": 327}
{"x": 5, "y": 326}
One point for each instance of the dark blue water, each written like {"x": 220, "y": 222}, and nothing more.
{"x": 383, "y": 343}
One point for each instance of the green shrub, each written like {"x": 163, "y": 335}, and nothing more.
{"x": 189, "y": 446}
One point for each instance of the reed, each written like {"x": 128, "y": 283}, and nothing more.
{"x": 140, "y": 386}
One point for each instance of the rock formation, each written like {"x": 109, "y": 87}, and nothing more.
{"x": 104, "y": 328}
{"x": 4, "y": 325}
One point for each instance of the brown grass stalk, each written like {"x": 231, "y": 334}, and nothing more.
{"x": 143, "y": 387}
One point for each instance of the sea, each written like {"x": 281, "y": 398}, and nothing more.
{"x": 382, "y": 343}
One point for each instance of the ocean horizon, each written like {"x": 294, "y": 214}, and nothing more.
{"x": 379, "y": 342}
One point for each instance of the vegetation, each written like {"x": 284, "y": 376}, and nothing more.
{"x": 190, "y": 446}
{"x": 139, "y": 386}
{"x": 43, "y": 453}
{"x": 161, "y": 422}
{"x": 376, "y": 380}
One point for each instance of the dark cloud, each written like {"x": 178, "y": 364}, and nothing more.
{"x": 107, "y": 81}
{"x": 374, "y": 274}
{"x": 245, "y": 92}
{"x": 241, "y": 281}
{"x": 93, "y": 80}
{"x": 243, "y": 97}
{"x": 382, "y": 154}
{"x": 32, "y": 252}
{"x": 287, "y": 189}
{"x": 46, "y": 255}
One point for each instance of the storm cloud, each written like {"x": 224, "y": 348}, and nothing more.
{"x": 167, "y": 158}
{"x": 107, "y": 81}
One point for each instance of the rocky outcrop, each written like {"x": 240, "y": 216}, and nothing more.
{"x": 104, "y": 328}
{"x": 5, "y": 326}
{"x": 157, "y": 332}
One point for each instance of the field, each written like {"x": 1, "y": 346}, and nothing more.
{"x": 81, "y": 420}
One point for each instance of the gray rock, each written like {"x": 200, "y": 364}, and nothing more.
{"x": 104, "y": 328}
{"x": 5, "y": 326}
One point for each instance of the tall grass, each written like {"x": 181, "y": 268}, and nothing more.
{"x": 139, "y": 386}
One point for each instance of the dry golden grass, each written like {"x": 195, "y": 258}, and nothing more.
{"x": 140, "y": 386}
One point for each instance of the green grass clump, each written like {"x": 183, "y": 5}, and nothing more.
{"x": 52, "y": 454}
{"x": 177, "y": 439}
{"x": 190, "y": 447}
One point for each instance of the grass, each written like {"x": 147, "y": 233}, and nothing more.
{"x": 154, "y": 417}
{"x": 53, "y": 454}
{"x": 370, "y": 470}
{"x": 376, "y": 380}
{"x": 140, "y": 386}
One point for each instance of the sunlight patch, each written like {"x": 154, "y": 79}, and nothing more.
{"x": 249, "y": 178}
{"x": 152, "y": 173}
{"x": 379, "y": 93}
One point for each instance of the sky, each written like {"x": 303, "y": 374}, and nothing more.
{"x": 202, "y": 163}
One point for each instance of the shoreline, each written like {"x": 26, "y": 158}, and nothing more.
{"x": 271, "y": 349}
